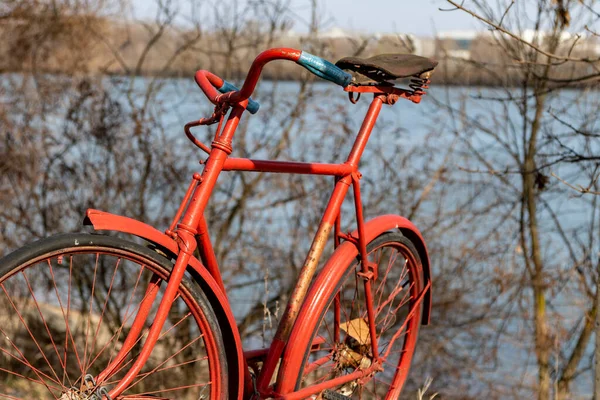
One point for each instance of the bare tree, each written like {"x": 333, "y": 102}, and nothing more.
{"x": 106, "y": 134}
{"x": 515, "y": 141}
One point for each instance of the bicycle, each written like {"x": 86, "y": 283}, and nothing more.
{"x": 91, "y": 316}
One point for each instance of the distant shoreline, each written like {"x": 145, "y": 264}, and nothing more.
{"x": 437, "y": 80}
{"x": 95, "y": 46}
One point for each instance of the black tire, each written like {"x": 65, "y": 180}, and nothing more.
{"x": 341, "y": 360}
{"x": 51, "y": 307}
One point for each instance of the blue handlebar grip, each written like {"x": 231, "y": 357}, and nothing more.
{"x": 324, "y": 69}
{"x": 253, "y": 106}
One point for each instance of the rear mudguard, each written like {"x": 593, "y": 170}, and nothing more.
{"x": 384, "y": 223}
{"x": 110, "y": 222}
{"x": 346, "y": 252}
{"x": 344, "y": 256}
{"x": 390, "y": 222}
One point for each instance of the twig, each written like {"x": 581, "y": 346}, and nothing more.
{"x": 506, "y": 12}
{"x": 514, "y": 36}
{"x": 579, "y": 188}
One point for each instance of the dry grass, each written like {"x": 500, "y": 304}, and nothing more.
{"x": 422, "y": 392}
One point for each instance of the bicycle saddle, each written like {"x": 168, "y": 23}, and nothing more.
{"x": 385, "y": 67}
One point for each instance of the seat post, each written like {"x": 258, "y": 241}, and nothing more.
{"x": 365, "y": 130}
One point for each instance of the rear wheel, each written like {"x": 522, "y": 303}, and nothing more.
{"x": 67, "y": 304}
{"x": 341, "y": 344}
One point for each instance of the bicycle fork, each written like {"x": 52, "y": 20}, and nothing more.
{"x": 185, "y": 235}
{"x": 155, "y": 329}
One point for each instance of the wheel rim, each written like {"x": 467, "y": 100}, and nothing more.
{"x": 344, "y": 346}
{"x": 70, "y": 312}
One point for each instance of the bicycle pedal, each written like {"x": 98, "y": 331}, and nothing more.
{"x": 331, "y": 395}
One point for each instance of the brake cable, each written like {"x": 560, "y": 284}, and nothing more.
{"x": 217, "y": 116}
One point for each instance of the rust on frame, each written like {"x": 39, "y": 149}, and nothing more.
{"x": 304, "y": 280}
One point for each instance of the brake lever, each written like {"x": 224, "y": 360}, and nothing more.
{"x": 219, "y": 111}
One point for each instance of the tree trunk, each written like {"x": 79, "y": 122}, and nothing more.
{"x": 597, "y": 345}
{"x": 542, "y": 345}
{"x": 579, "y": 351}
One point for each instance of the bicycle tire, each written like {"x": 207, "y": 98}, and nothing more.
{"x": 68, "y": 302}
{"x": 346, "y": 347}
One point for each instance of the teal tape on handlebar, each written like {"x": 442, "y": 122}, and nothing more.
{"x": 324, "y": 69}
{"x": 253, "y": 105}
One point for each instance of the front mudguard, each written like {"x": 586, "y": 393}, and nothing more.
{"x": 103, "y": 221}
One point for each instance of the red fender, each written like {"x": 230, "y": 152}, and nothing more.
{"x": 343, "y": 256}
{"x": 378, "y": 225}
{"x": 384, "y": 223}
{"x": 390, "y": 222}
{"x": 101, "y": 220}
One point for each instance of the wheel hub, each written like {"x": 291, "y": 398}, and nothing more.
{"x": 355, "y": 351}
{"x": 73, "y": 394}
{"x": 89, "y": 391}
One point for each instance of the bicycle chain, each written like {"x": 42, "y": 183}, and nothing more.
{"x": 331, "y": 395}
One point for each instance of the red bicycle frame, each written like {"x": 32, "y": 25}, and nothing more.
{"x": 189, "y": 232}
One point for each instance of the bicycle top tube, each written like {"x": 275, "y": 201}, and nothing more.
{"x": 211, "y": 83}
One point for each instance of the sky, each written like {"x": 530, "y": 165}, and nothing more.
{"x": 419, "y": 17}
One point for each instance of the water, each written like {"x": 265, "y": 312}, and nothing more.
{"x": 420, "y": 162}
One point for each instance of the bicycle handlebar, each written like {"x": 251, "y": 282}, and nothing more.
{"x": 253, "y": 105}
{"x": 324, "y": 69}
{"x": 210, "y": 83}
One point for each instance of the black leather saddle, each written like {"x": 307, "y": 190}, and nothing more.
{"x": 386, "y": 67}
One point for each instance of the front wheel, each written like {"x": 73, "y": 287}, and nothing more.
{"x": 67, "y": 304}
{"x": 340, "y": 342}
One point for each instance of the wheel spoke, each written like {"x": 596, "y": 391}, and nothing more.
{"x": 139, "y": 339}
{"x": 170, "y": 389}
{"x": 68, "y": 332}
{"x": 143, "y": 376}
{"x": 387, "y": 272}
{"x": 397, "y": 289}
{"x": 5, "y": 396}
{"x": 392, "y": 312}
{"x": 318, "y": 363}
{"x": 127, "y": 316}
{"x": 37, "y": 306}
{"x": 70, "y": 308}
{"x": 94, "y": 340}
{"x": 162, "y": 335}
{"x": 42, "y": 352}
{"x": 89, "y": 316}
{"x": 28, "y": 364}
{"x": 394, "y": 291}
